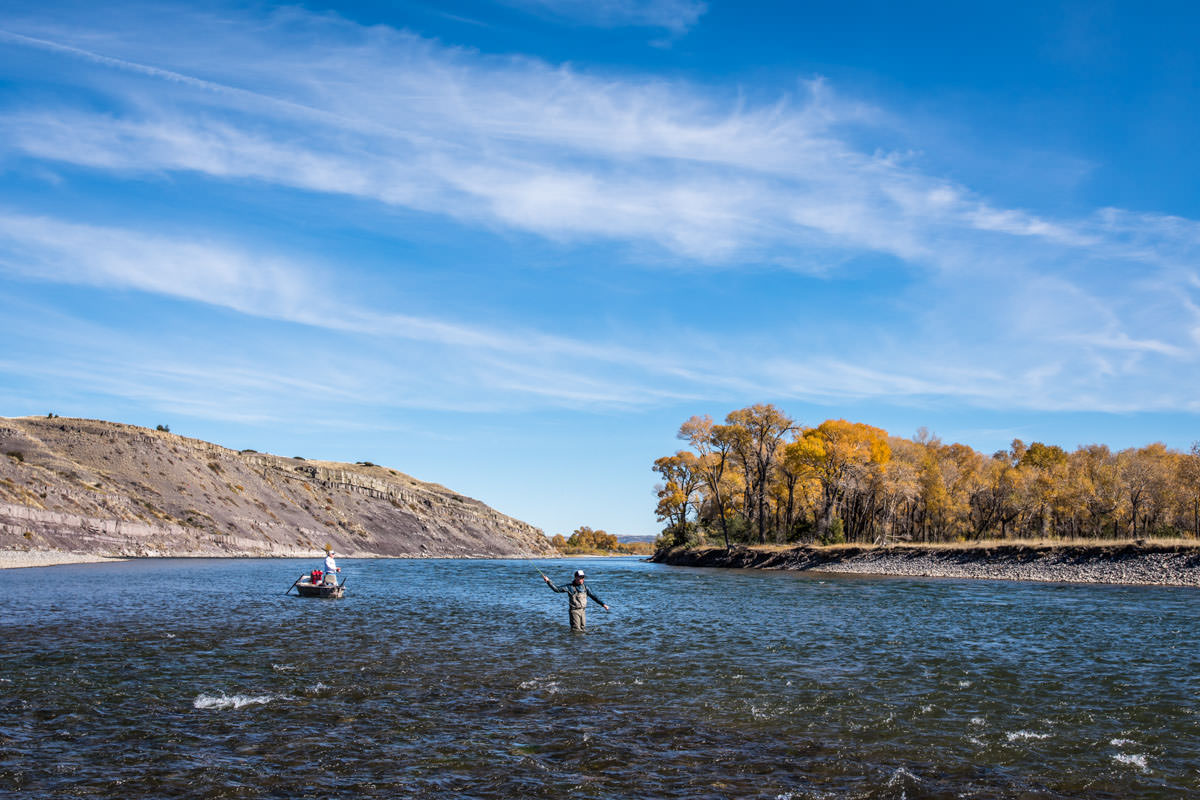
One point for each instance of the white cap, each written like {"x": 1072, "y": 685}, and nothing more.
{"x": 579, "y": 573}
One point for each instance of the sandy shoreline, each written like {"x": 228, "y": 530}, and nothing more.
{"x": 16, "y": 559}
{"x": 1110, "y": 564}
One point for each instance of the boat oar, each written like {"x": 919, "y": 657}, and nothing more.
{"x": 294, "y": 584}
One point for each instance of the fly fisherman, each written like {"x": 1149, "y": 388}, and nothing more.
{"x": 331, "y": 567}
{"x": 577, "y": 597}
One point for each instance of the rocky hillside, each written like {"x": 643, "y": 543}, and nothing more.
{"x": 88, "y": 486}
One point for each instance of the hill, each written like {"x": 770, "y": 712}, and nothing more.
{"x": 89, "y": 486}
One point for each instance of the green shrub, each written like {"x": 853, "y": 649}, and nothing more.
{"x": 836, "y": 533}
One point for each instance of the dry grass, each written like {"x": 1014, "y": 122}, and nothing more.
{"x": 990, "y": 543}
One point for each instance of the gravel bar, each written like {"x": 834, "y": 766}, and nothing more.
{"x": 1137, "y": 564}
{"x": 12, "y": 559}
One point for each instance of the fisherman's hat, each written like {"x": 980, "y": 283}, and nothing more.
{"x": 579, "y": 573}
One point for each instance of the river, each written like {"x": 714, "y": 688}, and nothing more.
{"x": 453, "y": 678}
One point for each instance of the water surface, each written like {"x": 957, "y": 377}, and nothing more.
{"x": 199, "y": 678}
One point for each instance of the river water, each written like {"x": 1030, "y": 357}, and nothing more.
{"x": 447, "y": 679}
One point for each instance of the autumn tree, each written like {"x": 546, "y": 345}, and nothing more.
{"x": 838, "y": 454}
{"x": 760, "y": 474}
{"x": 1143, "y": 474}
{"x": 755, "y": 435}
{"x": 587, "y": 539}
{"x": 713, "y": 445}
{"x": 1189, "y": 482}
{"x": 677, "y": 493}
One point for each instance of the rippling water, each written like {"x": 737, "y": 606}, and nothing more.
{"x": 152, "y": 679}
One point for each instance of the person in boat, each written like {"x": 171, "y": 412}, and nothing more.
{"x": 577, "y": 597}
{"x": 331, "y": 567}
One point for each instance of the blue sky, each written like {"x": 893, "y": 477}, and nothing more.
{"x": 510, "y": 245}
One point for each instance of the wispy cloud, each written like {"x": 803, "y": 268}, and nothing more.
{"x": 482, "y": 369}
{"x": 676, "y": 16}
{"x": 1003, "y": 306}
{"x": 389, "y": 116}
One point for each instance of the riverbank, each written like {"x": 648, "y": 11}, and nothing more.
{"x": 14, "y": 559}
{"x": 1138, "y": 564}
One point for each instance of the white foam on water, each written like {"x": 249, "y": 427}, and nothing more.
{"x": 318, "y": 687}
{"x": 758, "y": 713}
{"x": 1122, "y": 742}
{"x": 978, "y": 721}
{"x": 538, "y": 683}
{"x": 1138, "y": 761}
{"x": 926, "y": 709}
{"x": 208, "y": 701}
{"x": 170, "y": 636}
{"x": 964, "y": 684}
{"x": 975, "y": 740}
{"x": 902, "y": 774}
{"x": 282, "y": 667}
{"x": 1014, "y": 736}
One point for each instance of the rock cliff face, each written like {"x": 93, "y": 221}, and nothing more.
{"x": 97, "y": 487}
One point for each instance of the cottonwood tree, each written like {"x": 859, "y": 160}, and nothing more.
{"x": 755, "y": 437}
{"x": 678, "y": 492}
{"x": 713, "y": 445}
{"x": 761, "y": 476}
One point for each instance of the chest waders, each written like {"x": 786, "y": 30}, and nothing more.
{"x": 577, "y": 605}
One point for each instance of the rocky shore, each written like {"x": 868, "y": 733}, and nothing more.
{"x": 1142, "y": 564}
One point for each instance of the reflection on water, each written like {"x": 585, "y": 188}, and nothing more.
{"x": 460, "y": 678}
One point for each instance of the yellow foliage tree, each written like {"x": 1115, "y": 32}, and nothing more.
{"x": 835, "y": 453}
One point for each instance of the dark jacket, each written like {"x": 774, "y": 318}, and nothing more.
{"x": 576, "y": 593}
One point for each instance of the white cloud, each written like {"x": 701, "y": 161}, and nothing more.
{"x": 1006, "y": 306}
{"x": 676, "y": 16}
{"x": 517, "y": 143}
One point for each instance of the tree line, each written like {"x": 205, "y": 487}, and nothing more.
{"x": 586, "y": 541}
{"x": 761, "y": 477}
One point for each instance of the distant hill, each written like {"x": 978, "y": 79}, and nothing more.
{"x": 90, "y": 486}
{"x": 647, "y": 537}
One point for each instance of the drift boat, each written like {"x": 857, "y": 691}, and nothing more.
{"x": 314, "y": 585}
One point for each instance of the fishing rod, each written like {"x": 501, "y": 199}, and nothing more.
{"x": 289, "y": 589}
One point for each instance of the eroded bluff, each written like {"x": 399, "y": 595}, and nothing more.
{"x": 100, "y": 487}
